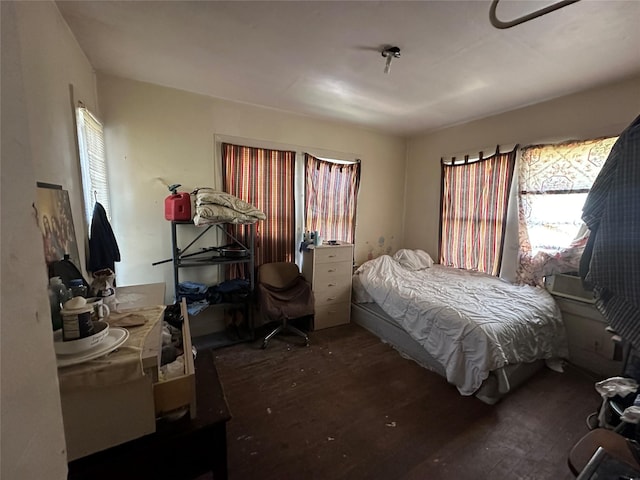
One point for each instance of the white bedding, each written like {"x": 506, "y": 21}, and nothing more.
{"x": 470, "y": 322}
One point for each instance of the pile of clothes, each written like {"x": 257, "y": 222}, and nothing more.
{"x": 199, "y": 296}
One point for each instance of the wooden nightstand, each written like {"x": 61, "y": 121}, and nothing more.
{"x": 329, "y": 268}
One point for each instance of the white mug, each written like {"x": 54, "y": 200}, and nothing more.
{"x": 100, "y": 309}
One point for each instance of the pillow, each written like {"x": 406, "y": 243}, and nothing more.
{"x": 413, "y": 259}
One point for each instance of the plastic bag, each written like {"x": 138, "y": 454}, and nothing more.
{"x": 103, "y": 286}
{"x": 611, "y": 387}
{"x": 616, "y": 386}
{"x": 631, "y": 414}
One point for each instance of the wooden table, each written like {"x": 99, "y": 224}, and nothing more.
{"x": 182, "y": 449}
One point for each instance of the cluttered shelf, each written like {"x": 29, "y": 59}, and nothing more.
{"x": 212, "y": 228}
{"x": 231, "y": 251}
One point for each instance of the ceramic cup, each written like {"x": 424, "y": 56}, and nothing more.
{"x": 100, "y": 309}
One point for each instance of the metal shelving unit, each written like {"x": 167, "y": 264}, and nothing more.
{"x": 188, "y": 258}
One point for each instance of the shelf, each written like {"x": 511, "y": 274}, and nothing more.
{"x": 181, "y": 259}
{"x": 210, "y": 262}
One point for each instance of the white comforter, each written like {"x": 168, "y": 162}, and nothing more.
{"x": 470, "y": 322}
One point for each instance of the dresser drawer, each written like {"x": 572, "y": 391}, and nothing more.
{"x": 332, "y": 273}
{"x": 178, "y": 392}
{"x": 331, "y": 315}
{"x": 332, "y": 294}
{"x": 329, "y": 254}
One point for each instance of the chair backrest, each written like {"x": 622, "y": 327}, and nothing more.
{"x": 278, "y": 274}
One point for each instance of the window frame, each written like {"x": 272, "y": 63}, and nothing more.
{"x": 93, "y": 162}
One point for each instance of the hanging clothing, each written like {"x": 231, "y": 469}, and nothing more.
{"x": 611, "y": 261}
{"x": 103, "y": 247}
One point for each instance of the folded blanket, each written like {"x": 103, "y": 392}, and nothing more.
{"x": 209, "y": 196}
{"x": 206, "y": 214}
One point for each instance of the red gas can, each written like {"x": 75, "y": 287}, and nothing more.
{"x": 177, "y": 206}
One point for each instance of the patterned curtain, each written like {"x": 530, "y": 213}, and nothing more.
{"x": 265, "y": 179}
{"x": 553, "y": 183}
{"x": 331, "y": 193}
{"x": 474, "y": 207}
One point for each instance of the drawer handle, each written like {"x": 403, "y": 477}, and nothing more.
{"x": 331, "y": 256}
{"x": 331, "y": 284}
{"x": 331, "y": 270}
{"x": 331, "y": 298}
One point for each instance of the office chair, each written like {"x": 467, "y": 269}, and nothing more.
{"x": 283, "y": 295}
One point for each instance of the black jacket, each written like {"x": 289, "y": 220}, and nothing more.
{"x": 103, "y": 248}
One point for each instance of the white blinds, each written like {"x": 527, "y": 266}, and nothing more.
{"x": 92, "y": 163}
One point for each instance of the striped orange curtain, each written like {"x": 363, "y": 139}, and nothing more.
{"x": 473, "y": 211}
{"x": 265, "y": 179}
{"x": 331, "y": 193}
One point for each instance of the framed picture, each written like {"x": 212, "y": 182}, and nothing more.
{"x": 56, "y": 224}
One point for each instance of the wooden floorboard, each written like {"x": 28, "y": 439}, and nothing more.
{"x": 350, "y": 407}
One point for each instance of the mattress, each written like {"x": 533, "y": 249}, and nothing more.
{"x": 471, "y": 324}
{"x": 497, "y": 384}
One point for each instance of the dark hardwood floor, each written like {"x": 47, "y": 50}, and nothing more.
{"x": 350, "y": 407}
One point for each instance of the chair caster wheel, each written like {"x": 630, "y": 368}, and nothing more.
{"x": 264, "y": 345}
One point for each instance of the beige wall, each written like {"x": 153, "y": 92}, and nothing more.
{"x": 157, "y": 136}
{"x": 590, "y": 114}
{"x": 40, "y": 58}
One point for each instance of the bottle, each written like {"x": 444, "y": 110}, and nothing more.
{"x": 58, "y": 294}
{"x": 76, "y": 319}
{"x": 78, "y": 288}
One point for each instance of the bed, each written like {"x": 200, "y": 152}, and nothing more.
{"x": 486, "y": 336}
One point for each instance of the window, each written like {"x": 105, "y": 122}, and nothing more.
{"x": 553, "y": 184}
{"x": 331, "y": 193}
{"x": 473, "y": 211}
{"x": 265, "y": 179}
{"x": 93, "y": 165}
{"x": 294, "y": 197}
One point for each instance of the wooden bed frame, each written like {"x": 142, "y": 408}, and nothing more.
{"x": 500, "y": 382}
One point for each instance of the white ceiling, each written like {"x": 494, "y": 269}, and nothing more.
{"x": 322, "y": 58}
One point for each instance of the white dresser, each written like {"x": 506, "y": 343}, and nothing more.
{"x": 329, "y": 269}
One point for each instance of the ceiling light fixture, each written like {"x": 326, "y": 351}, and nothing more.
{"x": 390, "y": 53}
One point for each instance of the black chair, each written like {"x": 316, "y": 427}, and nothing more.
{"x": 283, "y": 295}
